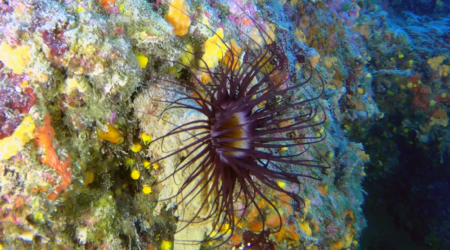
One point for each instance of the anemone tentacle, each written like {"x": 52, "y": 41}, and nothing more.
{"x": 233, "y": 154}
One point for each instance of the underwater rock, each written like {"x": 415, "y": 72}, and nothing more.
{"x": 100, "y": 69}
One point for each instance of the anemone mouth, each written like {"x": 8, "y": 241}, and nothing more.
{"x": 232, "y": 131}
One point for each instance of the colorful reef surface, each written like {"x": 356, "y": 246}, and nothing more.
{"x": 224, "y": 124}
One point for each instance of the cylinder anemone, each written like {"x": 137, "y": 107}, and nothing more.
{"x": 258, "y": 125}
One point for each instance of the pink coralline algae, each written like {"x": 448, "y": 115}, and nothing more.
{"x": 14, "y": 101}
{"x": 55, "y": 41}
{"x": 244, "y": 15}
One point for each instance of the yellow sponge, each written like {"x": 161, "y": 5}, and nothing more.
{"x": 304, "y": 225}
{"x": 111, "y": 134}
{"x": 14, "y": 58}
{"x": 178, "y": 17}
{"x": 215, "y": 49}
{"x": 11, "y": 145}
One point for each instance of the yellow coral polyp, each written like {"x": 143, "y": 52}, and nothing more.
{"x": 146, "y": 138}
{"x": 281, "y": 184}
{"x": 178, "y": 17}
{"x": 146, "y": 189}
{"x": 130, "y": 162}
{"x": 143, "y": 60}
{"x": 89, "y": 178}
{"x": 146, "y": 164}
{"x": 111, "y": 134}
{"x": 135, "y": 174}
{"x": 215, "y": 50}
{"x": 136, "y": 147}
{"x": 14, "y": 58}
{"x": 225, "y": 229}
{"x": 11, "y": 145}
{"x": 166, "y": 245}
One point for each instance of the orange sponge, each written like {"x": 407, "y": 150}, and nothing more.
{"x": 178, "y": 17}
{"x": 44, "y": 139}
